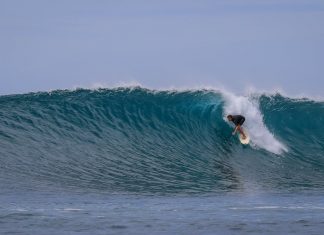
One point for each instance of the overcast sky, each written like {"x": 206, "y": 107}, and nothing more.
{"x": 238, "y": 44}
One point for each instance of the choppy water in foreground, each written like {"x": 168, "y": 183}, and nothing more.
{"x": 74, "y": 213}
{"x": 137, "y": 161}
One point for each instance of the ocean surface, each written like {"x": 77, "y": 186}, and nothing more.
{"x": 138, "y": 161}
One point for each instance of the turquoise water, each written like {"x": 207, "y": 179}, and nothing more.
{"x": 138, "y": 161}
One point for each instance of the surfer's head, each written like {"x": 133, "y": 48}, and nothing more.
{"x": 229, "y": 117}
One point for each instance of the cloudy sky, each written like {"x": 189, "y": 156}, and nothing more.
{"x": 235, "y": 44}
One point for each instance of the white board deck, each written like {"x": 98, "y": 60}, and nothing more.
{"x": 246, "y": 140}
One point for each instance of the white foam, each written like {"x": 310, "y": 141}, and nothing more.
{"x": 260, "y": 136}
{"x": 72, "y": 209}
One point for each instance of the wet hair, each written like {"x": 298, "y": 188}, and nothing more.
{"x": 229, "y": 116}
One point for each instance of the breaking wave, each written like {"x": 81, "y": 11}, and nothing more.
{"x": 147, "y": 141}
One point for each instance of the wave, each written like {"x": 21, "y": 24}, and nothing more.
{"x": 144, "y": 141}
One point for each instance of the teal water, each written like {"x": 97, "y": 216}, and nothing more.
{"x": 128, "y": 153}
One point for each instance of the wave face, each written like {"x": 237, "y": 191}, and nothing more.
{"x": 136, "y": 140}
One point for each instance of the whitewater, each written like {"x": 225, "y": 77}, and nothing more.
{"x": 86, "y": 152}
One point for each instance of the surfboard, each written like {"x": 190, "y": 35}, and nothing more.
{"x": 246, "y": 140}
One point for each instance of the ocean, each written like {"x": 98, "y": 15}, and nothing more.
{"x": 131, "y": 160}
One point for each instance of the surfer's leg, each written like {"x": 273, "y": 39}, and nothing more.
{"x": 241, "y": 131}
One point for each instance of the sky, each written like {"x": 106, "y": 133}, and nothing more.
{"x": 234, "y": 44}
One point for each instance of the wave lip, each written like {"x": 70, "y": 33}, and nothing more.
{"x": 144, "y": 141}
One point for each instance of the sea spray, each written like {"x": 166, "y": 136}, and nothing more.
{"x": 260, "y": 136}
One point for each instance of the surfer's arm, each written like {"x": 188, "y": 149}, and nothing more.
{"x": 235, "y": 130}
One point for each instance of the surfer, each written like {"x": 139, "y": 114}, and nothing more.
{"x": 238, "y": 120}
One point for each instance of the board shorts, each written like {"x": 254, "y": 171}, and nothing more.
{"x": 241, "y": 122}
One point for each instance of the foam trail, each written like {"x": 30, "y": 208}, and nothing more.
{"x": 260, "y": 136}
